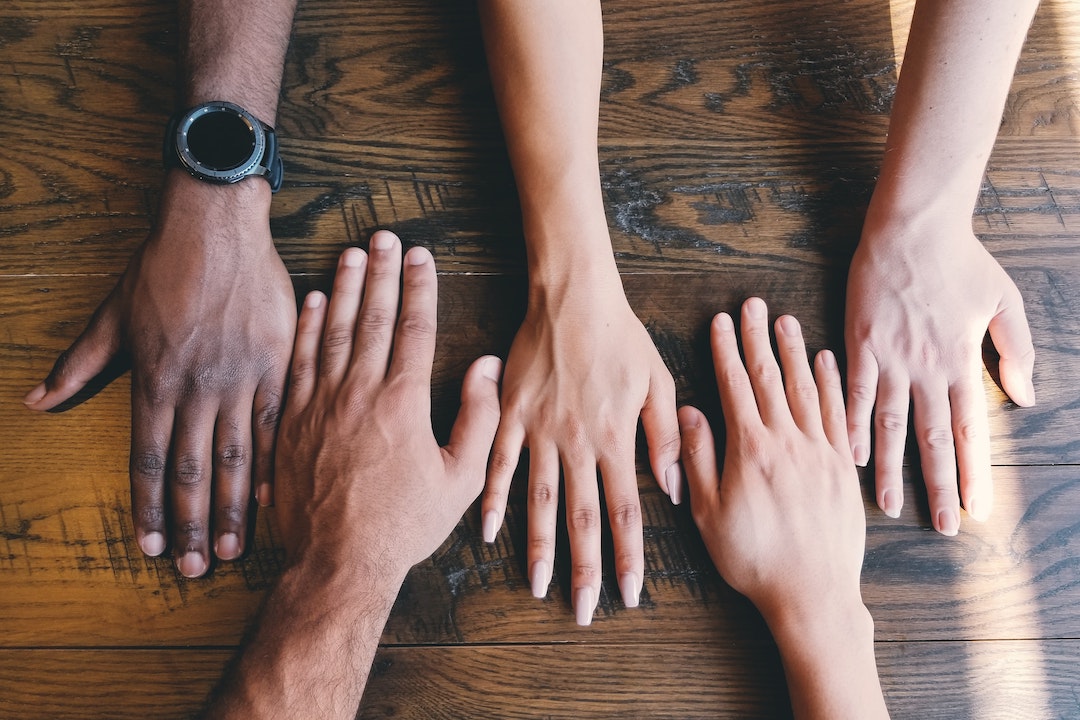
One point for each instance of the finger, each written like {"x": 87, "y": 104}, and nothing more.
{"x": 232, "y": 480}
{"x": 1012, "y": 337}
{"x": 378, "y": 314}
{"x": 862, "y": 390}
{"x": 543, "y": 513}
{"x": 83, "y": 360}
{"x": 505, "y": 453}
{"x": 661, "y": 424}
{"x": 736, "y": 395}
{"x": 266, "y": 414}
{"x": 337, "y": 338}
{"x": 477, "y": 422}
{"x": 624, "y": 515}
{"x": 831, "y": 398}
{"x": 304, "y": 369}
{"x": 799, "y": 384}
{"x": 414, "y": 339}
{"x": 971, "y": 429}
{"x": 761, "y": 363}
{"x": 933, "y": 430}
{"x": 151, "y": 430}
{"x": 890, "y": 434}
{"x": 583, "y": 526}
{"x": 190, "y": 488}
{"x": 699, "y": 460}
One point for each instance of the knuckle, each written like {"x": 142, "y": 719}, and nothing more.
{"x": 542, "y": 495}
{"x": 968, "y": 430}
{"x": 502, "y": 463}
{"x": 415, "y": 325}
{"x": 891, "y": 421}
{"x": 541, "y": 546}
{"x": 148, "y": 466}
{"x": 585, "y": 574}
{"x": 336, "y": 338}
{"x": 189, "y": 472}
{"x": 765, "y": 372}
{"x": 231, "y": 457}
{"x": 374, "y": 320}
{"x": 584, "y": 519}
{"x": 268, "y": 415}
{"x": 626, "y": 515}
{"x": 192, "y": 531}
{"x": 804, "y": 390}
{"x": 231, "y": 514}
{"x": 861, "y": 392}
{"x": 150, "y": 516}
{"x": 938, "y": 437}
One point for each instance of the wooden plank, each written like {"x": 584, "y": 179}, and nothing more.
{"x": 995, "y": 680}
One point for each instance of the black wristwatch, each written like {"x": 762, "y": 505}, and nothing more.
{"x": 220, "y": 142}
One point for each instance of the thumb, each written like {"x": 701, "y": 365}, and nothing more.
{"x": 81, "y": 362}
{"x": 477, "y": 420}
{"x": 1012, "y": 338}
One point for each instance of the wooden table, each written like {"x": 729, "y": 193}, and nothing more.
{"x": 739, "y": 145}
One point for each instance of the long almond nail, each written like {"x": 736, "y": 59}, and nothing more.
{"x": 491, "y": 526}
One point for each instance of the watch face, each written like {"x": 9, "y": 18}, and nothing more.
{"x": 221, "y": 142}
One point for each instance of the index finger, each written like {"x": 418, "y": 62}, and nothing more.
{"x": 414, "y": 337}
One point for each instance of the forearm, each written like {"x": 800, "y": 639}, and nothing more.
{"x": 546, "y": 62}
{"x": 957, "y": 69}
{"x": 829, "y": 663}
{"x": 234, "y": 50}
{"x": 313, "y": 649}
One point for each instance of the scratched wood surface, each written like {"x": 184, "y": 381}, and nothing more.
{"x": 739, "y": 143}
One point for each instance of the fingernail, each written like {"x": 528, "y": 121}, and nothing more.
{"x": 491, "y": 525}
{"x": 539, "y": 579}
{"x": 263, "y": 495}
{"x": 861, "y": 455}
{"x": 789, "y": 325}
{"x": 755, "y": 307}
{"x": 828, "y": 360}
{"x": 36, "y": 394}
{"x": 153, "y": 544}
{"x": 673, "y": 478}
{"x": 628, "y": 588}
{"x": 417, "y": 256}
{"x": 492, "y": 368}
{"x": 975, "y": 510}
{"x": 227, "y": 546}
{"x": 891, "y": 503}
{"x": 191, "y": 565}
{"x": 382, "y": 241}
{"x": 583, "y": 606}
{"x": 724, "y": 322}
{"x": 313, "y": 300}
{"x": 352, "y": 257}
{"x": 947, "y": 522}
{"x": 1029, "y": 394}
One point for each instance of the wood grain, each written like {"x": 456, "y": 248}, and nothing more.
{"x": 739, "y": 144}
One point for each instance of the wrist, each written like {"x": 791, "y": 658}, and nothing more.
{"x": 204, "y": 215}
{"x": 822, "y": 628}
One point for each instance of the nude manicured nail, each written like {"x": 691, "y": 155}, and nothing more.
{"x": 491, "y": 526}
{"x": 583, "y": 606}
{"x": 673, "y": 479}
{"x": 227, "y": 546}
{"x": 539, "y": 579}
{"x": 947, "y": 522}
{"x": 153, "y": 544}
{"x": 36, "y": 394}
{"x": 891, "y": 503}
{"x": 861, "y": 455}
{"x": 628, "y": 588}
{"x": 492, "y": 368}
{"x": 191, "y": 565}
{"x": 975, "y": 511}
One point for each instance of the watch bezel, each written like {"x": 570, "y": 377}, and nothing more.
{"x": 247, "y": 167}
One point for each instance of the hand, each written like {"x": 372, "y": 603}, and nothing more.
{"x": 919, "y": 303}
{"x": 785, "y": 524}
{"x": 581, "y": 370}
{"x": 361, "y": 481}
{"x": 206, "y": 312}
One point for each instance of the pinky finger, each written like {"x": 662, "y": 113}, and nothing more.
{"x": 504, "y": 460}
